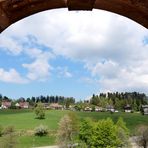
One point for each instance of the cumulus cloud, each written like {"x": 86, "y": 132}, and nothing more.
{"x": 9, "y": 45}
{"x": 39, "y": 69}
{"x": 112, "y": 48}
{"x": 11, "y": 76}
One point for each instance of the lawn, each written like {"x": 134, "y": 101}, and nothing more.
{"x": 24, "y": 121}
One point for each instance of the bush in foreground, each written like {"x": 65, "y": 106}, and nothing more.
{"x": 41, "y": 130}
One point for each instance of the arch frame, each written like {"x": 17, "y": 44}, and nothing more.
{"x": 12, "y": 11}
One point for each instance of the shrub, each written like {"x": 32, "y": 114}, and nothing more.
{"x": 41, "y": 130}
{"x": 9, "y": 141}
{"x": 8, "y": 130}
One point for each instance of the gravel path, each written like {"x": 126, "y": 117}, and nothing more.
{"x": 132, "y": 141}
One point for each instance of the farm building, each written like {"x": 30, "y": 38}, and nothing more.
{"x": 144, "y": 109}
{"x": 128, "y": 108}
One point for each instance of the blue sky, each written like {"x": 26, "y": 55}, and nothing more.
{"x": 74, "y": 54}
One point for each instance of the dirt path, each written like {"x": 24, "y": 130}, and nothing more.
{"x": 49, "y": 147}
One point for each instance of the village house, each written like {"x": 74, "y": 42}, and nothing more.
{"x": 110, "y": 108}
{"x": 6, "y": 104}
{"x": 98, "y": 109}
{"x": 23, "y": 105}
{"x": 144, "y": 109}
{"x": 127, "y": 108}
{"x": 46, "y": 105}
{"x": 88, "y": 109}
{"x": 56, "y": 106}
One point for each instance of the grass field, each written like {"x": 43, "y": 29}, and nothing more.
{"x": 24, "y": 121}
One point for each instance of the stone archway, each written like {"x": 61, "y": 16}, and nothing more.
{"x": 13, "y": 10}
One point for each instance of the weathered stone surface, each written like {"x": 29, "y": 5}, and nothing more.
{"x": 136, "y": 10}
{"x": 80, "y": 4}
{"x": 14, "y": 10}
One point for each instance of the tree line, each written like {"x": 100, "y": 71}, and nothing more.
{"x": 117, "y": 99}
{"x": 43, "y": 99}
{"x": 120, "y": 100}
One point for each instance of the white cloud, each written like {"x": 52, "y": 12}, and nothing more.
{"x": 10, "y": 45}
{"x": 110, "y": 46}
{"x": 64, "y": 72}
{"x": 40, "y": 68}
{"x": 11, "y": 76}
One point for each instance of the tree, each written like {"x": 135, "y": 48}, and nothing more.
{"x": 69, "y": 101}
{"x": 67, "y": 131}
{"x": 102, "y": 134}
{"x": 40, "y": 111}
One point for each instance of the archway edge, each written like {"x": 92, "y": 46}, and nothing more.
{"x": 12, "y": 11}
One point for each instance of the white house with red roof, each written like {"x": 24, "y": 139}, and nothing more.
{"x": 6, "y": 104}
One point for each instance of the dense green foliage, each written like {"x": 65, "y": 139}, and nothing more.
{"x": 103, "y": 134}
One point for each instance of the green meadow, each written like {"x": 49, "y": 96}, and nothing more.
{"x": 25, "y": 122}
